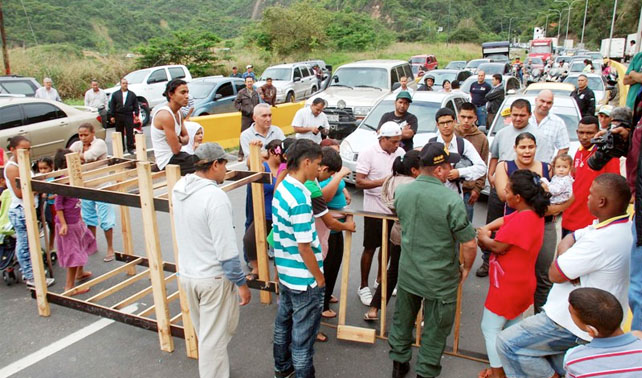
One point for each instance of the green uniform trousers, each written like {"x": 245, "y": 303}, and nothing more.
{"x": 439, "y": 316}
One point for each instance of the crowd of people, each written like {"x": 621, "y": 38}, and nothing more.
{"x": 580, "y": 284}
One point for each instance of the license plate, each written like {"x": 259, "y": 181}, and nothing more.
{"x": 333, "y": 117}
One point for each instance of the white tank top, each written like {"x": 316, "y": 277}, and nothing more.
{"x": 15, "y": 201}
{"x": 162, "y": 151}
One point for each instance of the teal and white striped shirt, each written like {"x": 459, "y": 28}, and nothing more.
{"x": 293, "y": 223}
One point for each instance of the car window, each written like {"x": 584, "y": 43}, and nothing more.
{"x": 18, "y": 87}
{"x": 361, "y": 77}
{"x": 297, "y": 73}
{"x": 199, "y": 89}
{"x": 176, "y": 72}
{"x": 275, "y": 74}
{"x": 407, "y": 72}
{"x": 512, "y": 83}
{"x": 305, "y": 71}
{"x": 10, "y": 116}
{"x": 157, "y": 76}
{"x": 136, "y": 77}
{"x": 458, "y": 103}
{"x": 225, "y": 90}
{"x": 400, "y": 72}
{"x": 451, "y": 106}
{"x": 239, "y": 86}
{"x": 41, "y": 112}
{"x": 394, "y": 78}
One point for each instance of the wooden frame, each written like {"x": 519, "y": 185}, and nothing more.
{"x": 127, "y": 183}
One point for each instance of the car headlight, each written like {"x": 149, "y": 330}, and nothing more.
{"x": 341, "y": 104}
{"x": 361, "y": 110}
{"x": 346, "y": 152}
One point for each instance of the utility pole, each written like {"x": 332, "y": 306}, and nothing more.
{"x": 450, "y": 3}
{"x": 5, "y": 50}
{"x": 584, "y": 22}
{"x": 612, "y": 25}
{"x": 637, "y": 43}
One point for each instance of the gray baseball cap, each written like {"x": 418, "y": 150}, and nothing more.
{"x": 210, "y": 152}
{"x": 622, "y": 114}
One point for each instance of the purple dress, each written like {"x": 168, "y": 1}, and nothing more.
{"x": 74, "y": 247}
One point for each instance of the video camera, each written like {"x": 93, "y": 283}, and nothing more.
{"x": 609, "y": 146}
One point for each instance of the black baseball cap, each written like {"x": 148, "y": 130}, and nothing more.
{"x": 435, "y": 153}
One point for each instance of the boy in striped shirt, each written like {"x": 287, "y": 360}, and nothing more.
{"x": 299, "y": 262}
{"x": 612, "y": 353}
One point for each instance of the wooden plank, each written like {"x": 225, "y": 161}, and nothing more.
{"x": 241, "y": 182}
{"x": 98, "y": 172}
{"x": 358, "y": 334}
{"x": 85, "y": 167}
{"x": 125, "y": 220}
{"x": 270, "y": 286}
{"x": 73, "y": 166}
{"x": 258, "y": 202}
{"x": 167, "y": 266}
{"x": 122, "y": 175}
{"x": 133, "y": 182}
{"x": 141, "y": 294}
{"x": 119, "y": 286}
{"x": 176, "y": 319}
{"x": 458, "y": 307}
{"x": 151, "y": 308}
{"x": 384, "y": 277}
{"x": 141, "y": 147}
{"x": 104, "y": 277}
{"x": 33, "y": 235}
{"x": 152, "y": 246}
{"x": 173, "y": 173}
{"x": 345, "y": 274}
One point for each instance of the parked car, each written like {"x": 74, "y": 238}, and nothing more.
{"x": 14, "y": 84}
{"x": 214, "y": 94}
{"x": 293, "y": 81}
{"x": 356, "y": 87}
{"x": 595, "y": 82}
{"x": 424, "y": 105}
{"x": 511, "y": 84}
{"x": 473, "y": 64}
{"x": 558, "y": 89}
{"x": 456, "y": 65}
{"x": 428, "y": 62}
{"x": 494, "y": 68}
{"x": 149, "y": 84}
{"x": 441, "y": 75}
{"x": 49, "y": 125}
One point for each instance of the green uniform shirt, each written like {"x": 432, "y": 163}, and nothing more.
{"x": 433, "y": 221}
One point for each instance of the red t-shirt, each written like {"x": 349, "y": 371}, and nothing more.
{"x": 577, "y": 215}
{"x": 512, "y": 275}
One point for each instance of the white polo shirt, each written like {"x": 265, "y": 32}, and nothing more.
{"x": 376, "y": 164}
{"x": 305, "y": 118}
{"x": 551, "y": 135}
{"x": 600, "y": 258}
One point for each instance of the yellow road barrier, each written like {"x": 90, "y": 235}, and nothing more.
{"x": 225, "y": 129}
{"x": 623, "y": 89}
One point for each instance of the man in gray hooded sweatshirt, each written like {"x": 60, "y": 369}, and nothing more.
{"x": 208, "y": 260}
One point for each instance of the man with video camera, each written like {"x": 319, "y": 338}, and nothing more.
{"x": 311, "y": 122}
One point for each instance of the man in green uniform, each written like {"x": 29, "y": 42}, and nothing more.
{"x": 434, "y": 223}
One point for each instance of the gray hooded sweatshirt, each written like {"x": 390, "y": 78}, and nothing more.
{"x": 204, "y": 231}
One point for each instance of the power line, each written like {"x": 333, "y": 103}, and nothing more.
{"x": 29, "y": 22}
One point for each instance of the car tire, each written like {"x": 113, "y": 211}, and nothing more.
{"x": 289, "y": 97}
{"x": 144, "y": 114}
{"x": 72, "y": 140}
{"x": 314, "y": 89}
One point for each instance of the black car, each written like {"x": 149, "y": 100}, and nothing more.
{"x": 14, "y": 84}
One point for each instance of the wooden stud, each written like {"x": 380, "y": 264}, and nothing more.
{"x": 74, "y": 170}
{"x": 152, "y": 246}
{"x": 98, "y": 172}
{"x": 384, "y": 277}
{"x": 125, "y": 220}
{"x": 345, "y": 274}
{"x": 119, "y": 286}
{"x": 141, "y": 147}
{"x": 86, "y": 167}
{"x": 29, "y": 207}
{"x": 358, "y": 334}
{"x": 112, "y": 176}
{"x": 105, "y": 276}
{"x": 132, "y": 182}
{"x": 458, "y": 308}
{"x": 151, "y": 308}
{"x": 176, "y": 319}
{"x": 173, "y": 173}
{"x": 260, "y": 232}
{"x": 241, "y": 182}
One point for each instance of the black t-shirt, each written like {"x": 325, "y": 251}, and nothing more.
{"x": 410, "y": 118}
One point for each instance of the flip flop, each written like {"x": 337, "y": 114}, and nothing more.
{"x": 84, "y": 277}
{"x": 108, "y": 259}
{"x": 331, "y": 314}
{"x": 369, "y": 318}
{"x": 333, "y": 299}
{"x": 322, "y": 337}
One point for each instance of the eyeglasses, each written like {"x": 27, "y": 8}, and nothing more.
{"x": 446, "y": 123}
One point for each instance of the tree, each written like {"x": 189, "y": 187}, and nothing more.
{"x": 189, "y": 47}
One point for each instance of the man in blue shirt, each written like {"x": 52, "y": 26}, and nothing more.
{"x": 249, "y": 72}
{"x": 478, "y": 92}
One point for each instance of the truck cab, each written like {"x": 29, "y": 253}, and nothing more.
{"x": 541, "y": 48}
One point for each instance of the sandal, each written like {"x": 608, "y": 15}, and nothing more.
{"x": 329, "y": 314}
{"x": 108, "y": 258}
{"x": 369, "y": 318}
{"x": 322, "y": 337}
{"x": 333, "y": 299}
{"x": 252, "y": 277}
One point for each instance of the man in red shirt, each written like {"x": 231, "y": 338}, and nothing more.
{"x": 577, "y": 215}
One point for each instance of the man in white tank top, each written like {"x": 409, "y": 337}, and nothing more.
{"x": 168, "y": 131}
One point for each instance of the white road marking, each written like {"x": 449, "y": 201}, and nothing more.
{"x": 59, "y": 345}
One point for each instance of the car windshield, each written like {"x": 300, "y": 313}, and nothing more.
{"x": 577, "y": 67}
{"x": 537, "y": 60}
{"x": 284, "y": 74}
{"x": 418, "y": 60}
{"x": 491, "y": 68}
{"x": 136, "y": 77}
{"x": 569, "y": 115}
{"x": 556, "y": 92}
{"x": 200, "y": 89}
{"x": 475, "y": 63}
{"x": 440, "y": 76}
{"x": 465, "y": 87}
{"x": 542, "y": 49}
{"x": 361, "y": 76}
{"x": 424, "y": 110}
{"x": 456, "y": 65}
{"x": 595, "y": 83}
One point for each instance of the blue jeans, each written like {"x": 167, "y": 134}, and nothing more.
{"x": 491, "y": 325}
{"x": 635, "y": 288}
{"x": 295, "y": 329}
{"x": 535, "y": 347}
{"x": 469, "y": 207}
{"x": 17, "y": 218}
{"x": 481, "y": 115}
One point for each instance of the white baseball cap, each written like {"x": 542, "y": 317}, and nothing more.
{"x": 389, "y": 129}
{"x": 249, "y": 66}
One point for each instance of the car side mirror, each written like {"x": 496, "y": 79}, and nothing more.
{"x": 218, "y": 96}
{"x": 396, "y": 86}
{"x": 335, "y": 79}
{"x": 297, "y": 79}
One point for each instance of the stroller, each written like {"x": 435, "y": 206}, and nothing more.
{"x": 8, "y": 260}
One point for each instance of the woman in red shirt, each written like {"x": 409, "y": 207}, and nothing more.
{"x": 514, "y": 250}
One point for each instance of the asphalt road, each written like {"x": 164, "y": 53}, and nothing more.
{"x": 70, "y": 343}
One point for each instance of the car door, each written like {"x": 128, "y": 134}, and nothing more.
{"x": 11, "y": 124}
{"x": 310, "y": 80}
{"x": 224, "y": 98}
{"x": 156, "y": 84}
{"x": 297, "y": 79}
{"x": 176, "y": 73}
{"x": 48, "y": 126}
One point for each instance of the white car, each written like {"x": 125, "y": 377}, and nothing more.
{"x": 424, "y": 106}
{"x": 595, "y": 83}
{"x": 356, "y": 87}
{"x": 293, "y": 81}
{"x": 149, "y": 84}
{"x": 564, "y": 107}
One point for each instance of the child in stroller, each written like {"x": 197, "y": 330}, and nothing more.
{"x": 8, "y": 260}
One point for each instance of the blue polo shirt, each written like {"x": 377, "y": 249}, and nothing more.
{"x": 478, "y": 93}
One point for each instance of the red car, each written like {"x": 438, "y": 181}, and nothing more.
{"x": 427, "y": 62}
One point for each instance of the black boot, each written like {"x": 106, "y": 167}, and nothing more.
{"x": 400, "y": 369}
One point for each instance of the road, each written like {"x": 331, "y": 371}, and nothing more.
{"x": 74, "y": 344}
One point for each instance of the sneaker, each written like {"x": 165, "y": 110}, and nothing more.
{"x": 32, "y": 283}
{"x": 284, "y": 374}
{"x": 400, "y": 369}
{"x": 365, "y": 295}
{"x": 483, "y": 270}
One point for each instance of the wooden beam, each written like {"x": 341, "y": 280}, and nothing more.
{"x": 74, "y": 168}
{"x": 167, "y": 266}
{"x": 124, "y": 174}
{"x": 104, "y": 277}
{"x": 345, "y": 274}
{"x": 131, "y": 183}
{"x": 176, "y": 319}
{"x": 99, "y": 172}
{"x": 141, "y": 147}
{"x": 33, "y": 235}
{"x": 173, "y": 173}
{"x": 119, "y": 286}
{"x": 152, "y": 246}
{"x": 85, "y": 167}
{"x": 458, "y": 307}
{"x": 141, "y": 294}
{"x": 125, "y": 220}
{"x": 384, "y": 277}
{"x": 358, "y": 334}
{"x": 242, "y": 182}
{"x": 260, "y": 232}
{"x": 151, "y": 308}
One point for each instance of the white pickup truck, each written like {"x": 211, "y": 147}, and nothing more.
{"x": 149, "y": 84}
